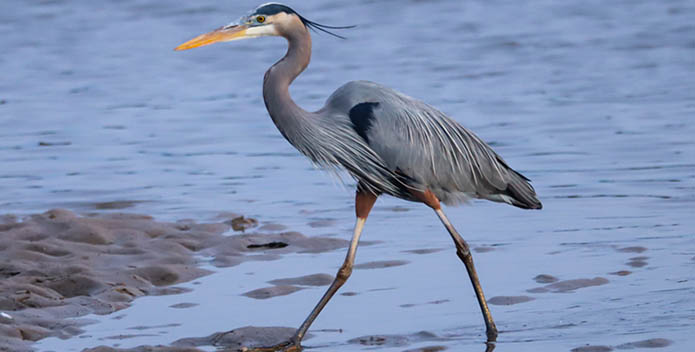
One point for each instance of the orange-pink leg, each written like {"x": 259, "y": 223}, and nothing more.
{"x": 464, "y": 253}
{"x": 363, "y": 204}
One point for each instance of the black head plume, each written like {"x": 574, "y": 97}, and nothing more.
{"x": 275, "y": 8}
{"x": 322, "y": 27}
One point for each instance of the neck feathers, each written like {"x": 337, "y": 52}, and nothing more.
{"x": 286, "y": 114}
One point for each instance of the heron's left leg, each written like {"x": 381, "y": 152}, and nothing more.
{"x": 364, "y": 201}
{"x": 464, "y": 253}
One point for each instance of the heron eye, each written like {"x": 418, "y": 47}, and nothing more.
{"x": 260, "y": 19}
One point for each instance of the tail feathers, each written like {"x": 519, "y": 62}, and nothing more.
{"x": 521, "y": 193}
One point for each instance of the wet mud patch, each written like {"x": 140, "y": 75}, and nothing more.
{"x": 638, "y": 262}
{"x": 423, "y": 250}
{"x": 272, "y": 291}
{"x": 590, "y": 348}
{"x": 321, "y": 223}
{"x": 54, "y": 144}
{"x": 272, "y": 227}
{"x": 649, "y": 343}
{"x": 307, "y": 280}
{"x": 183, "y": 305}
{"x": 633, "y": 249}
{"x": 163, "y": 326}
{"x": 410, "y": 305}
{"x": 568, "y": 286}
{"x": 395, "y": 340}
{"x": 116, "y": 204}
{"x": 60, "y": 265}
{"x": 242, "y": 339}
{"x": 143, "y": 349}
{"x": 621, "y": 273}
{"x": 381, "y": 264}
{"x": 509, "y": 300}
{"x": 127, "y": 336}
{"x": 428, "y": 349}
{"x": 545, "y": 279}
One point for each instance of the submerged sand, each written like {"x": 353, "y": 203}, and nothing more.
{"x": 59, "y": 265}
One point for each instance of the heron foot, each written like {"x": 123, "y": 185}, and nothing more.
{"x": 490, "y": 346}
{"x": 491, "y": 342}
{"x": 288, "y": 346}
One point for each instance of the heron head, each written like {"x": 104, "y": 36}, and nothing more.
{"x": 271, "y": 19}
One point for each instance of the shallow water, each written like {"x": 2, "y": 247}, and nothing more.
{"x": 593, "y": 101}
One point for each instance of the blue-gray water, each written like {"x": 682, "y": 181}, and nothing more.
{"x": 593, "y": 100}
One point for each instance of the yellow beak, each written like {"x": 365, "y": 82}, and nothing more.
{"x": 223, "y": 34}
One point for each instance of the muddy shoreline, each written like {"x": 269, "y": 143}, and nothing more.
{"x": 58, "y": 266}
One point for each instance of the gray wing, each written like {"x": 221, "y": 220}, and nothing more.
{"x": 423, "y": 148}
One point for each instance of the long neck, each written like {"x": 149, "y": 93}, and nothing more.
{"x": 286, "y": 114}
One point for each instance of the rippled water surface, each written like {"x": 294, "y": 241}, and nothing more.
{"x": 592, "y": 100}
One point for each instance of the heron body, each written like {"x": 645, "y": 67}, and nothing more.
{"x": 389, "y": 142}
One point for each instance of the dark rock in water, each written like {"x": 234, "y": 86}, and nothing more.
{"x": 242, "y": 223}
{"x": 269, "y": 245}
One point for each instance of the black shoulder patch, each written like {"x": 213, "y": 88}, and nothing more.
{"x": 274, "y": 9}
{"x": 362, "y": 116}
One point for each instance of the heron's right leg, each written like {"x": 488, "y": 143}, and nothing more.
{"x": 464, "y": 253}
{"x": 363, "y": 204}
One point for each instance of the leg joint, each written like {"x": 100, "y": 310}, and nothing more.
{"x": 344, "y": 272}
{"x": 463, "y": 252}
{"x": 427, "y": 197}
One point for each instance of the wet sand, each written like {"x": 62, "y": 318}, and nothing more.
{"x": 64, "y": 266}
{"x": 59, "y": 265}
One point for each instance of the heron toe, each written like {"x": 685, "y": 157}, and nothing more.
{"x": 288, "y": 346}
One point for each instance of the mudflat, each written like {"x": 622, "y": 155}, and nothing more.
{"x": 60, "y": 265}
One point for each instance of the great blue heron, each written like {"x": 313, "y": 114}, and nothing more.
{"x": 389, "y": 142}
